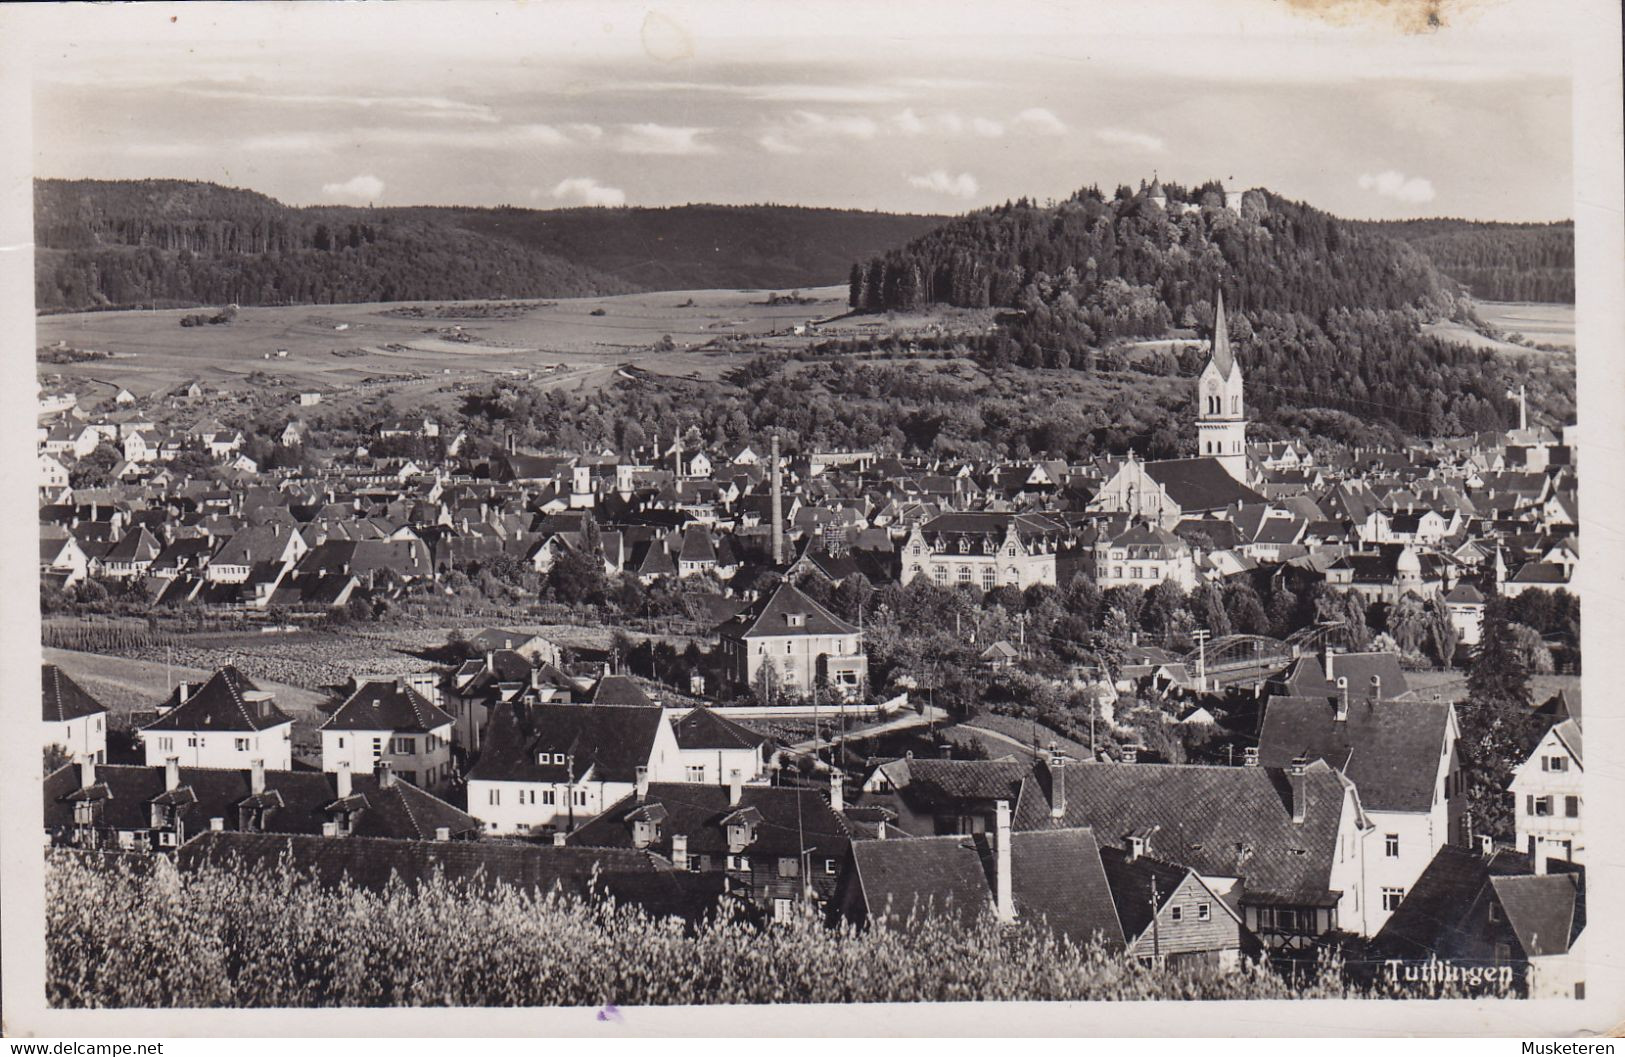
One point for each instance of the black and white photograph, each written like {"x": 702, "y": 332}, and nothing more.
{"x": 630, "y": 507}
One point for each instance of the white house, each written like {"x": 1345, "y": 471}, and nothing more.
{"x": 52, "y": 474}
{"x": 390, "y": 722}
{"x": 711, "y": 749}
{"x": 1547, "y": 789}
{"x": 225, "y": 722}
{"x": 983, "y": 549}
{"x": 74, "y": 721}
{"x": 548, "y": 768}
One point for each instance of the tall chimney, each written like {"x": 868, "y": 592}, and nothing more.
{"x": 386, "y": 775}
{"x": 1342, "y": 699}
{"x": 344, "y": 779}
{"x": 1057, "y": 780}
{"x": 736, "y": 787}
{"x": 1297, "y": 774}
{"x": 679, "y": 850}
{"x": 172, "y": 773}
{"x": 87, "y": 770}
{"x": 837, "y": 792}
{"x": 256, "y": 777}
{"x": 778, "y": 504}
{"x": 1004, "y": 903}
{"x": 1326, "y": 659}
{"x": 642, "y": 783}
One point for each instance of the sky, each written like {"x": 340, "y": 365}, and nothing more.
{"x": 1359, "y": 107}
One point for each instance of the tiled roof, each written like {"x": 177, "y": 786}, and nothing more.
{"x": 1390, "y": 750}
{"x": 620, "y": 690}
{"x": 63, "y": 699}
{"x": 386, "y": 705}
{"x": 702, "y": 728}
{"x": 401, "y": 811}
{"x": 1133, "y": 882}
{"x": 1220, "y": 821}
{"x": 955, "y": 781}
{"x": 1546, "y": 912}
{"x": 791, "y": 820}
{"x": 219, "y": 704}
{"x": 921, "y": 876}
{"x": 1199, "y": 484}
{"x": 773, "y": 617}
{"x": 613, "y": 740}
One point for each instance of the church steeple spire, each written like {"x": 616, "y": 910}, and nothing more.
{"x": 1223, "y": 358}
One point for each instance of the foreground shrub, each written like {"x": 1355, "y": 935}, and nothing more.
{"x": 140, "y": 934}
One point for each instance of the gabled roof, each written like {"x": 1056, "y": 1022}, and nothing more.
{"x": 610, "y": 740}
{"x": 1199, "y": 484}
{"x": 303, "y": 798}
{"x": 220, "y": 704}
{"x": 702, "y": 728}
{"x": 620, "y": 690}
{"x": 1134, "y": 882}
{"x": 773, "y": 618}
{"x": 1390, "y": 750}
{"x": 387, "y": 705}
{"x": 787, "y": 821}
{"x": 1546, "y": 911}
{"x": 63, "y": 699}
{"x": 1220, "y": 821}
{"x": 1222, "y": 358}
{"x": 944, "y": 782}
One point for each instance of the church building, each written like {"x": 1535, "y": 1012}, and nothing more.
{"x": 1221, "y": 416}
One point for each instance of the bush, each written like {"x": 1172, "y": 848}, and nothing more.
{"x": 135, "y": 933}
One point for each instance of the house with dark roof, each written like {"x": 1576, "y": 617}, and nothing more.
{"x": 1523, "y": 921}
{"x": 712, "y": 748}
{"x": 157, "y": 808}
{"x": 74, "y": 721}
{"x": 1285, "y": 846}
{"x": 1168, "y": 914}
{"x": 801, "y": 646}
{"x": 1144, "y": 556}
{"x": 620, "y": 690}
{"x": 386, "y": 721}
{"x": 1053, "y": 878}
{"x": 225, "y": 721}
{"x": 1401, "y": 757}
{"x": 778, "y": 846}
{"x": 986, "y": 548}
{"x": 938, "y": 797}
{"x": 371, "y": 864}
{"x": 1165, "y": 491}
{"x": 547, "y": 768}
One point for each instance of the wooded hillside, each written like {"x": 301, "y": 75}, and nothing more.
{"x": 1496, "y": 262}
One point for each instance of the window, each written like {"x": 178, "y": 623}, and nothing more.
{"x": 581, "y": 798}
{"x": 1176, "y": 913}
{"x": 781, "y": 909}
{"x": 738, "y": 863}
{"x": 1495, "y": 913}
{"x": 240, "y": 744}
{"x": 829, "y": 866}
{"x": 1204, "y": 911}
{"x": 964, "y": 574}
{"x": 341, "y": 743}
{"x": 403, "y": 746}
{"x": 377, "y": 747}
{"x": 527, "y": 796}
{"x": 789, "y": 867}
{"x": 697, "y": 773}
{"x": 990, "y": 578}
{"x": 1539, "y": 806}
{"x": 192, "y": 742}
{"x": 1390, "y": 845}
{"x": 1571, "y": 807}
{"x": 166, "y": 744}
{"x": 789, "y": 647}
{"x": 1392, "y": 897}
{"x": 939, "y": 573}
{"x": 558, "y": 758}
{"x": 1554, "y": 763}
{"x": 493, "y": 797}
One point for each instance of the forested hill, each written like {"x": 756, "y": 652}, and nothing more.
{"x": 1496, "y": 262}
{"x": 106, "y": 244}
{"x": 1119, "y": 258}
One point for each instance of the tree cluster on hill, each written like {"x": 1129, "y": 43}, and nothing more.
{"x": 1496, "y": 262}
{"x": 112, "y": 244}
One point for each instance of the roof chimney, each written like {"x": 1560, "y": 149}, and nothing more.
{"x": 87, "y": 770}
{"x": 256, "y": 779}
{"x": 330, "y": 829}
{"x": 1376, "y": 688}
{"x": 880, "y": 830}
{"x": 183, "y": 691}
{"x": 1057, "y": 782}
{"x": 1004, "y": 903}
{"x": 1249, "y": 756}
{"x": 217, "y": 825}
{"x": 679, "y": 850}
{"x": 1131, "y": 754}
{"x": 735, "y": 787}
{"x": 1297, "y": 773}
{"x": 1342, "y": 699}
{"x": 1326, "y": 659}
{"x": 1540, "y": 859}
{"x": 1486, "y": 845}
{"x": 558, "y": 838}
{"x": 778, "y": 505}
{"x": 172, "y": 773}
{"x": 643, "y": 783}
{"x": 344, "y": 779}
{"x": 386, "y": 775}
{"x": 442, "y": 833}
{"x": 837, "y": 791}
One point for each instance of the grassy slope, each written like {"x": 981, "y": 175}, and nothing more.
{"x": 123, "y": 684}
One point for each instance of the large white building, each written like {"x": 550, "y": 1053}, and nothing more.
{"x": 226, "y": 722}
{"x": 75, "y": 722}
{"x": 983, "y": 549}
{"x": 387, "y": 721}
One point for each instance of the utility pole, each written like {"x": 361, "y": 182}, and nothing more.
{"x": 1156, "y": 932}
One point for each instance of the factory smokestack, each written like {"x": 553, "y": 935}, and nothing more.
{"x": 778, "y": 505}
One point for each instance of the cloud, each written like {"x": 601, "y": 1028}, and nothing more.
{"x": 1122, "y": 137}
{"x": 938, "y": 180}
{"x": 649, "y": 138}
{"x": 774, "y": 143}
{"x": 1396, "y": 185}
{"x": 590, "y": 192}
{"x": 983, "y": 126}
{"x": 359, "y": 189}
{"x": 944, "y": 123}
{"x": 811, "y": 123}
{"x": 1042, "y": 121}
{"x": 432, "y": 106}
{"x": 585, "y": 131}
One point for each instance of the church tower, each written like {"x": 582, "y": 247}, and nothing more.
{"x": 1221, "y": 422}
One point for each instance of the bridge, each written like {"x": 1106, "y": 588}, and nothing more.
{"x": 1235, "y": 660}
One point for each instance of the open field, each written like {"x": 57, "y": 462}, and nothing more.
{"x": 337, "y": 349}
{"x": 123, "y": 684}
{"x": 1452, "y": 685}
{"x": 1543, "y": 324}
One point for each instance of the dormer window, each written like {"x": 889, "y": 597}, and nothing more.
{"x": 796, "y": 620}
